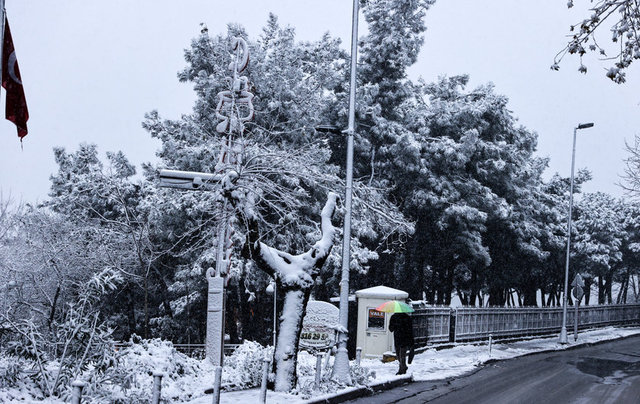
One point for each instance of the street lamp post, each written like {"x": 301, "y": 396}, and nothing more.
{"x": 341, "y": 363}
{"x": 563, "y": 331}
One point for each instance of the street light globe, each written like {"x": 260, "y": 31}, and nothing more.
{"x": 270, "y": 288}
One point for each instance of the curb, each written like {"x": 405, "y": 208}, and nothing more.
{"x": 569, "y": 348}
{"x": 363, "y": 391}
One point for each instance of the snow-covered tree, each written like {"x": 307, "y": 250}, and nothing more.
{"x": 121, "y": 215}
{"x": 631, "y": 179}
{"x": 279, "y": 186}
{"x": 554, "y": 195}
{"x": 622, "y": 18}
{"x": 598, "y": 241}
{"x": 461, "y": 165}
{"x": 295, "y": 276}
{"x": 629, "y": 271}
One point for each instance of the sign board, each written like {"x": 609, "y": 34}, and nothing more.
{"x": 577, "y": 292}
{"x": 376, "y": 320}
{"x": 318, "y": 326}
{"x": 578, "y": 281}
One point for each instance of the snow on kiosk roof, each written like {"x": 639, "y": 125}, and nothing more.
{"x": 383, "y": 292}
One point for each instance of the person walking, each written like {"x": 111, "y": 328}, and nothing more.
{"x": 401, "y": 326}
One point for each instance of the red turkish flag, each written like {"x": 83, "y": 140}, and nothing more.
{"x": 16, "y": 110}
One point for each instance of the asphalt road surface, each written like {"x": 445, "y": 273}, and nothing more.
{"x": 603, "y": 373}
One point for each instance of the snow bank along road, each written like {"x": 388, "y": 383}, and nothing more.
{"x": 604, "y": 373}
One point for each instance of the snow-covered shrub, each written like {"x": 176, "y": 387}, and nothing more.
{"x": 10, "y": 370}
{"x": 243, "y": 369}
{"x": 131, "y": 380}
{"x": 360, "y": 376}
{"x": 16, "y": 380}
{"x": 76, "y": 343}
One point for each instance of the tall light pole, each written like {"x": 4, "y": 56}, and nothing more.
{"x": 341, "y": 364}
{"x": 563, "y": 331}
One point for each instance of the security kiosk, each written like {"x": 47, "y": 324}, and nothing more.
{"x": 373, "y": 334}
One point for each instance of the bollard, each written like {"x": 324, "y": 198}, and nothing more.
{"x": 216, "y": 385}
{"x": 76, "y": 395}
{"x": 490, "y": 343}
{"x": 316, "y": 385}
{"x": 157, "y": 387}
{"x": 358, "y": 355}
{"x": 263, "y": 385}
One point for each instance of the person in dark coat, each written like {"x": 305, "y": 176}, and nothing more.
{"x": 401, "y": 326}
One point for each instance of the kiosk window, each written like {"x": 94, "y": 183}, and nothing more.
{"x": 376, "y": 320}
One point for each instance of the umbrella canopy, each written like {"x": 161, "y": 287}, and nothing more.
{"x": 395, "y": 306}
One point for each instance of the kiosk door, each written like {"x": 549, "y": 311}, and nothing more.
{"x": 377, "y": 336}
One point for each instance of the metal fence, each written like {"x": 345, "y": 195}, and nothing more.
{"x": 192, "y": 350}
{"x": 478, "y": 323}
{"x": 431, "y": 324}
{"x": 442, "y": 324}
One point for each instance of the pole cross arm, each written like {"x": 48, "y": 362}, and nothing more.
{"x": 190, "y": 180}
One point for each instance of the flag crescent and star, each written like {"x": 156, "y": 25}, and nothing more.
{"x": 16, "y": 103}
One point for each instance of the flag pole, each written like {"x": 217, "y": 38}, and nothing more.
{"x": 4, "y": 18}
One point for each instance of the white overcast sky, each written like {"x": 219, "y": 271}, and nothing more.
{"x": 91, "y": 69}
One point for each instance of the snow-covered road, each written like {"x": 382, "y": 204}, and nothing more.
{"x": 436, "y": 364}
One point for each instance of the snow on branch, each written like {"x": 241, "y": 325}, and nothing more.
{"x": 294, "y": 271}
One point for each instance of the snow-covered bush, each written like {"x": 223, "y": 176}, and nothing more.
{"x": 360, "y": 376}
{"x": 243, "y": 369}
{"x": 75, "y": 344}
{"x": 17, "y": 380}
{"x": 185, "y": 378}
{"x": 10, "y": 369}
{"x": 131, "y": 379}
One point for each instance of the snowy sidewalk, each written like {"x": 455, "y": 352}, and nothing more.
{"x": 437, "y": 364}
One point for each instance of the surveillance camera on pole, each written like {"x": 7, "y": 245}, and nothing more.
{"x": 190, "y": 180}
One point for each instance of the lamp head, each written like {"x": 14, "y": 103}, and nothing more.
{"x": 585, "y": 125}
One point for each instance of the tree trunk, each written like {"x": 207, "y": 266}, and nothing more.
{"x": 496, "y": 297}
{"x": 146, "y": 305}
{"x": 464, "y": 298}
{"x": 608, "y": 286}
{"x": 474, "y": 288}
{"x": 131, "y": 313}
{"x": 288, "y": 340}
{"x": 600, "y": 290}
{"x": 550, "y": 298}
{"x": 449, "y": 286}
{"x": 433, "y": 296}
{"x": 54, "y": 304}
{"x": 530, "y": 296}
{"x": 587, "y": 291}
{"x": 296, "y": 282}
{"x": 625, "y": 289}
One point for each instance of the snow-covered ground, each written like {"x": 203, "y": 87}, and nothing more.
{"x": 436, "y": 364}
{"x": 187, "y": 378}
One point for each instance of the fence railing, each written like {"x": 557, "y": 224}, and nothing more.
{"x": 441, "y": 324}
{"x": 192, "y": 350}
{"x": 431, "y": 324}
